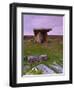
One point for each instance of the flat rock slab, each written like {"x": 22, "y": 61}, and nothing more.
{"x": 57, "y": 68}
{"x": 32, "y": 59}
{"x": 45, "y": 69}
{"x": 25, "y": 67}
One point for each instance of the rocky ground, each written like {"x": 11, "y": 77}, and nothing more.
{"x": 43, "y": 58}
{"x": 55, "y": 68}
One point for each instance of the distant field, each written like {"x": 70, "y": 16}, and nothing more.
{"x": 53, "y": 49}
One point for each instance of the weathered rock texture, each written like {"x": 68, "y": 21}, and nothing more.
{"x": 32, "y": 59}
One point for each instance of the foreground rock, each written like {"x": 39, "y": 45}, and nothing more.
{"x": 43, "y": 57}
{"x": 39, "y": 58}
{"x": 26, "y": 67}
{"x": 57, "y": 68}
{"x": 45, "y": 69}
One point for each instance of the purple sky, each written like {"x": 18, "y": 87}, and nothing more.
{"x": 31, "y": 22}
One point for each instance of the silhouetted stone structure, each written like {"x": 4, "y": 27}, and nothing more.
{"x": 41, "y": 35}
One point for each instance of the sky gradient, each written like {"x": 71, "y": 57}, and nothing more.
{"x": 31, "y": 22}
